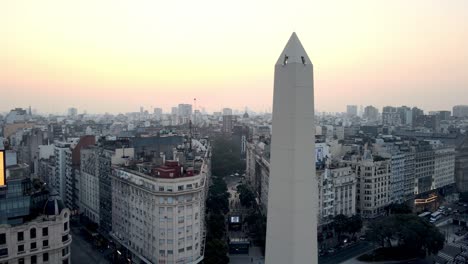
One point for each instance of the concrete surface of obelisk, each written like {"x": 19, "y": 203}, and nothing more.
{"x": 293, "y": 190}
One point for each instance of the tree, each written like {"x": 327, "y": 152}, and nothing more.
{"x": 398, "y": 208}
{"x": 407, "y": 231}
{"x": 216, "y": 252}
{"x": 340, "y": 225}
{"x": 225, "y": 159}
{"x": 354, "y": 224}
{"x": 246, "y": 196}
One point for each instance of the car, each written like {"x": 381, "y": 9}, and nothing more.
{"x": 331, "y": 251}
{"x": 362, "y": 238}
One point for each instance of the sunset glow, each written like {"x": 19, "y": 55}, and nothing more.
{"x": 115, "y": 56}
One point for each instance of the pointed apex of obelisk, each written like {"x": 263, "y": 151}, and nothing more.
{"x": 293, "y": 52}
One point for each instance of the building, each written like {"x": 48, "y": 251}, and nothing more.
{"x": 351, "y": 110}
{"x": 17, "y": 115}
{"x": 293, "y": 188}
{"x": 461, "y": 166}
{"x": 337, "y": 192}
{"x": 227, "y": 124}
{"x": 390, "y": 116}
{"x": 72, "y": 112}
{"x": 58, "y": 183}
{"x": 227, "y": 111}
{"x": 89, "y": 184}
{"x": 158, "y": 113}
{"x": 37, "y": 230}
{"x": 373, "y": 184}
{"x": 72, "y": 171}
{"x": 371, "y": 113}
{"x": 460, "y": 111}
{"x": 158, "y": 211}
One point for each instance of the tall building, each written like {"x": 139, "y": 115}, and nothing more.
{"x": 59, "y": 181}
{"x": 337, "y": 192}
{"x": 158, "y": 113}
{"x": 460, "y": 111}
{"x": 351, "y": 110}
{"x": 390, "y": 116}
{"x": 293, "y": 190}
{"x": 227, "y": 124}
{"x": 371, "y": 113}
{"x": 227, "y": 111}
{"x": 72, "y": 112}
{"x": 373, "y": 184}
{"x": 167, "y": 205}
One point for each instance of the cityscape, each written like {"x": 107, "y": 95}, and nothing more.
{"x": 120, "y": 146}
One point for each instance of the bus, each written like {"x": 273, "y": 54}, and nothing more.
{"x": 425, "y": 215}
{"x": 435, "y": 216}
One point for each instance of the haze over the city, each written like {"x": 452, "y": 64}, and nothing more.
{"x": 115, "y": 56}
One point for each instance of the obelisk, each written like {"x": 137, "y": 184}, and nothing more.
{"x": 293, "y": 190}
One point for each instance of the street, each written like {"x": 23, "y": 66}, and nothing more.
{"x": 347, "y": 253}
{"x": 83, "y": 251}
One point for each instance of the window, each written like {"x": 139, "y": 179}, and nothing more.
{"x": 170, "y": 252}
{"x": 65, "y": 261}
{"x": 20, "y": 236}
{"x": 64, "y": 251}
{"x": 180, "y": 188}
{"x": 162, "y": 252}
{"x": 21, "y": 261}
{"x": 32, "y": 233}
{"x": 20, "y": 248}
{"x": 65, "y": 226}
{"x": 33, "y": 246}
{"x": 2, "y": 239}
{"x": 33, "y": 259}
{"x": 64, "y": 238}
{"x": 4, "y": 252}
{"x": 45, "y": 243}
{"x": 161, "y": 188}
{"x": 45, "y": 231}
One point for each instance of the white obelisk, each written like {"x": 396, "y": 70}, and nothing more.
{"x": 293, "y": 190}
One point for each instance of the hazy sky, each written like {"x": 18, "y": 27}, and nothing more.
{"x": 115, "y": 56}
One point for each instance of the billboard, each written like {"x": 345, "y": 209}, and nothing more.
{"x": 2, "y": 169}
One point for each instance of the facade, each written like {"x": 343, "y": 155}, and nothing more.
{"x": 390, "y": 116}
{"x": 158, "y": 212}
{"x": 373, "y": 184}
{"x": 351, "y": 110}
{"x": 34, "y": 225}
{"x": 293, "y": 188}
{"x": 371, "y": 113}
{"x": 337, "y": 192}
{"x": 227, "y": 124}
{"x": 460, "y": 111}
{"x": 89, "y": 184}
{"x": 461, "y": 166}
{"x": 59, "y": 180}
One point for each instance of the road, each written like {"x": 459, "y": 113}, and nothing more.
{"x": 83, "y": 251}
{"x": 347, "y": 253}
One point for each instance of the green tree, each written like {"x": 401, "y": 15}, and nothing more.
{"x": 398, "y": 208}
{"x": 354, "y": 224}
{"x": 246, "y": 196}
{"x": 225, "y": 157}
{"x": 216, "y": 252}
{"x": 340, "y": 225}
{"x": 407, "y": 231}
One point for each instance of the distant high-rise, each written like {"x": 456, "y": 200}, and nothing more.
{"x": 371, "y": 113}
{"x": 460, "y": 111}
{"x": 293, "y": 190}
{"x": 158, "y": 112}
{"x": 351, "y": 110}
{"x": 227, "y": 111}
{"x": 72, "y": 112}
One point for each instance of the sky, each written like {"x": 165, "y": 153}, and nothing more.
{"x": 117, "y": 55}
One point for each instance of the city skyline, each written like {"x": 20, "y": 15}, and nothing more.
{"x": 133, "y": 55}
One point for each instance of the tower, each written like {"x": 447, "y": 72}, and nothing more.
{"x": 293, "y": 190}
